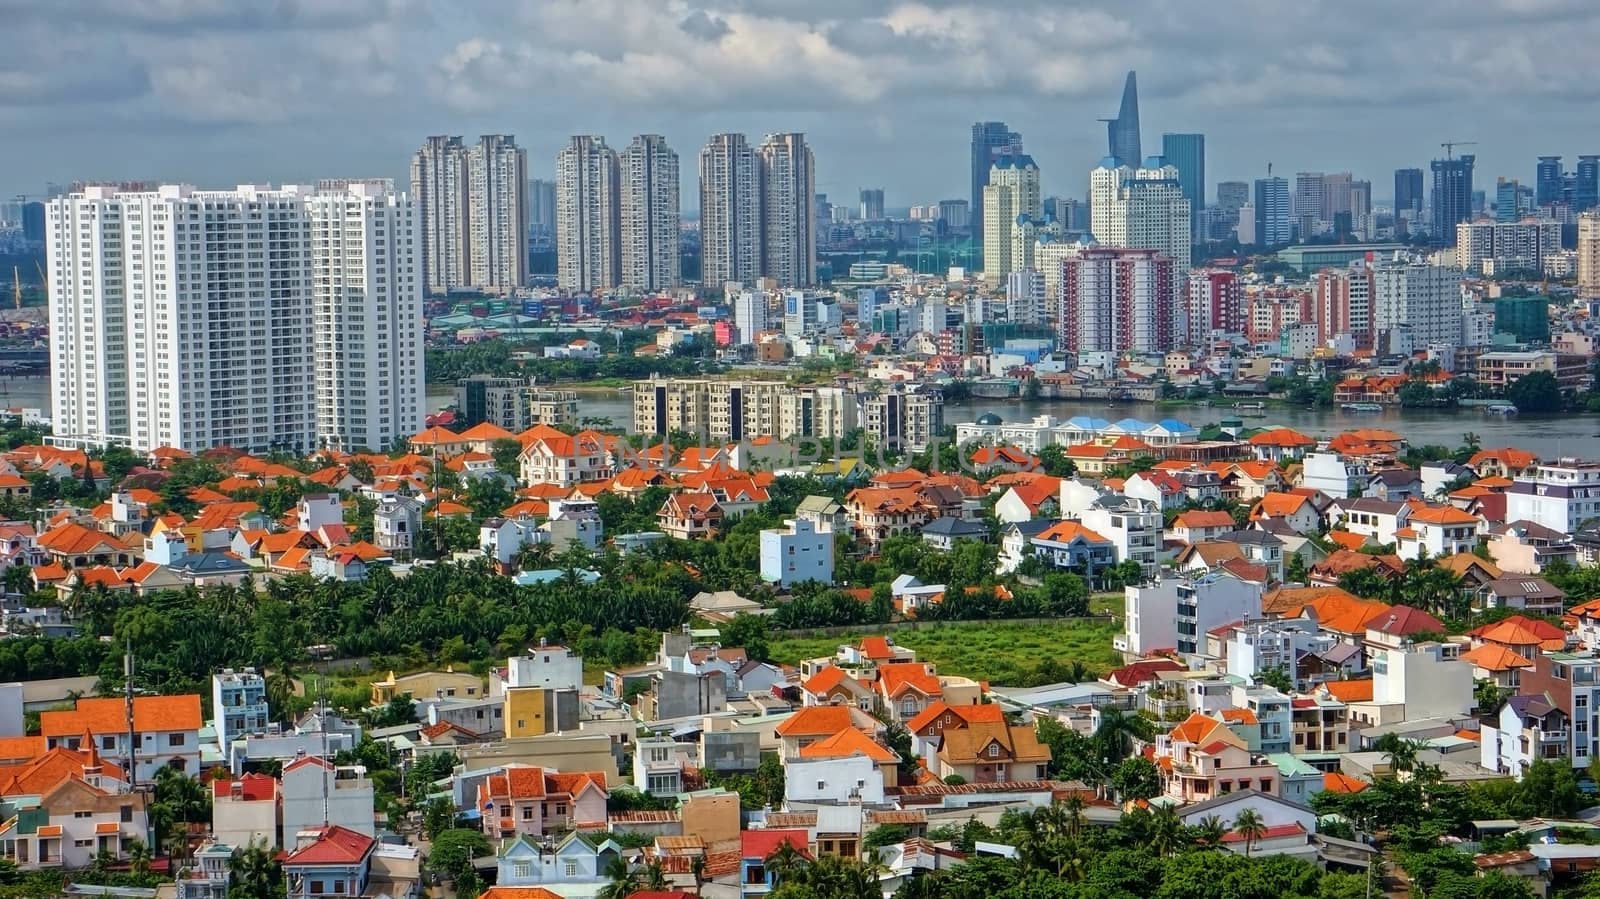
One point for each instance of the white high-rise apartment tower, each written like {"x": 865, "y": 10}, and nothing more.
{"x": 473, "y": 213}
{"x": 1142, "y": 209}
{"x": 788, "y": 210}
{"x": 197, "y": 319}
{"x": 439, "y": 184}
{"x": 366, "y": 327}
{"x": 650, "y": 259}
{"x": 588, "y": 212}
{"x": 499, "y": 213}
{"x": 730, "y": 212}
{"x": 1012, "y": 194}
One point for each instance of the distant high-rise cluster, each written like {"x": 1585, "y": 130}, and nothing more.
{"x": 317, "y": 344}
{"x": 990, "y": 141}
{"x": 473, "y": 213}
{"x": 617, "y": 217}
{"x": 758, "y": 215}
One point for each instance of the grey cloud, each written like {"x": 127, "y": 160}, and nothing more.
{"x": 704, "y": 25}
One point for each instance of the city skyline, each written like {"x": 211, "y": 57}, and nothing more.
{"x": 455, "y": 69}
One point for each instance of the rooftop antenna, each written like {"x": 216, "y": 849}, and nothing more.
{"x": 322, "y": 728}
{"x": 1269, "y": 169}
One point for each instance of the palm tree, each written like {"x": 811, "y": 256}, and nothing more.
{"x": 280, "y": 694}
{"x": 1400, "y": 752}
{"x": 1209, "y": 831}
{"x": 1166, "y": 831}
{"x": 1249, "y": 825}
{"x": 622, "y": 882}
{"x": 697, "y": 869}
{"x": 653, "y": 876}
{"x": 1117, "y": 732}
{"x": 255, "y": 872}
{"x": 139, "y": 857}
{"x": 784, "y": 861}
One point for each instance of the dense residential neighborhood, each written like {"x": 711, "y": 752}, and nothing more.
{"x": 619, "y": 676}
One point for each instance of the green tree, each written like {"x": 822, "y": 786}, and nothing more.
{"x": 1535, "y": 392}
{"x": 438, "y": 816}
{"x": 255, "y": 873}
{"x": 1136, "y": 778}
{"x": 1248, "y": 824}
{"x": 453, "y": 850}
{"x": 507, "y": 453}
{"x": 1053, "y": 460}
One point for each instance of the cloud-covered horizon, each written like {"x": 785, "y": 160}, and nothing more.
{"x": 217, "y": 92}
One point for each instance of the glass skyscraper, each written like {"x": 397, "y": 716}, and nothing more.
{"x": 1188, "y": 153}
{"x": 1452, "y": 197}
{"x": 990, "y": 141}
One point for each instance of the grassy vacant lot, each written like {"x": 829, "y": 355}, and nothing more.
{"x": 1003, "y": 653}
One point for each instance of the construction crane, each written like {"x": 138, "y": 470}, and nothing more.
{"x": 1450, "y": 146}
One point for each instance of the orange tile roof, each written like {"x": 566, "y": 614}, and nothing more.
{"x": 988, "y": 713}
{"x": 110, "y": 716}
{"x": 899, "y": 677}
{"x": 1350, "y": 690}
{"x": 848, "y": 743}
{"x": 1068, "y": 531}
{"x": 1199, "y": 729}
{"x": 1495, "y": 657}
{"x": 1334, "y": 782}
{"x": 486, "y": 430}
{"x": 817, "y": 720}
{"x": 435, "y": 436}
{"x": 1507, "y": 456}
{"x": 1443, "y": 515}
{"x": 1347, "y": 540}
{"x": 1283, "y": 437}
{"x": 1199, "y": 518}
{"x": 1519, "y": 630}
{"x": 72, "y": 538}
{"x": 876, "y": 648}
{"x": 1277, "y": 505}
{"x": 824, "y": 681}
{"x": 1239, "y": 716}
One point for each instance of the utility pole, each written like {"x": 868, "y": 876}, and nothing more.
{"x": 133, "y": 752}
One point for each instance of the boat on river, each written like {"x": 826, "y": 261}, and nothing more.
{"x": 1361, "y": 407}
{"x": 1504, "y": 409}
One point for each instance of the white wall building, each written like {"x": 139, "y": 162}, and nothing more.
{"x": 316, "y": 793}
{"x": 547, "y": 667}
{"x": 472, "y": 213}
{"x": 1560, "y": 495}
{"x": 749, "y": 315}
{"x": 1176, "y": 612}
{"x": 367, "y": 325}
{"x": 1142, "y": 208}
{"x": 1012, "y": 194}
{"x": 650, "y": 222}
{"x": 802, "y": 550}
{"x": 588, "y": 213}
{"x": 165, "y": 330}
{"x": 788, "y": 210}
{"x": 730, "y": 211}
{"x": 1425, "y": 298}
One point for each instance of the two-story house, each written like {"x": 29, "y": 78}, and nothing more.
{"x": 904, "y": 689}
{"x": 848, "y": 766}
{"x": 691, "y": 516}
{"x": 579, "y": 859}
{"x": 988, "y": 752}
{"x": 1437, "y": 531}
{"x": 1072, "y": 545}
{"x": 756, "y": 878}
{"x": 1202, "y": 758}
{"x": 165, "y": 730}
{"x": 1196, "y": 525}
{"x": 395, "y": 524}
{"x": 65, "y": 807}
{"x": 332, "y": 861}
{"x": 538, "y": 801}
{"x": 567, "y": 461}
{"x": 814, "y": 723}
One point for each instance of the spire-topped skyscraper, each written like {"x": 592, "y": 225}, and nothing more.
{"x": 1122, "y": 132}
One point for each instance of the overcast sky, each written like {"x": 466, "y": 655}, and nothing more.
{"x": 219, "y": 92}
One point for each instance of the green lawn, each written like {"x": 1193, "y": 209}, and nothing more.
{"x": 1003, "y": 653}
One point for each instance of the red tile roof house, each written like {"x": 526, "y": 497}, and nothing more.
{"x": 334, "y": 861}
{"x": 537, "y": 802}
